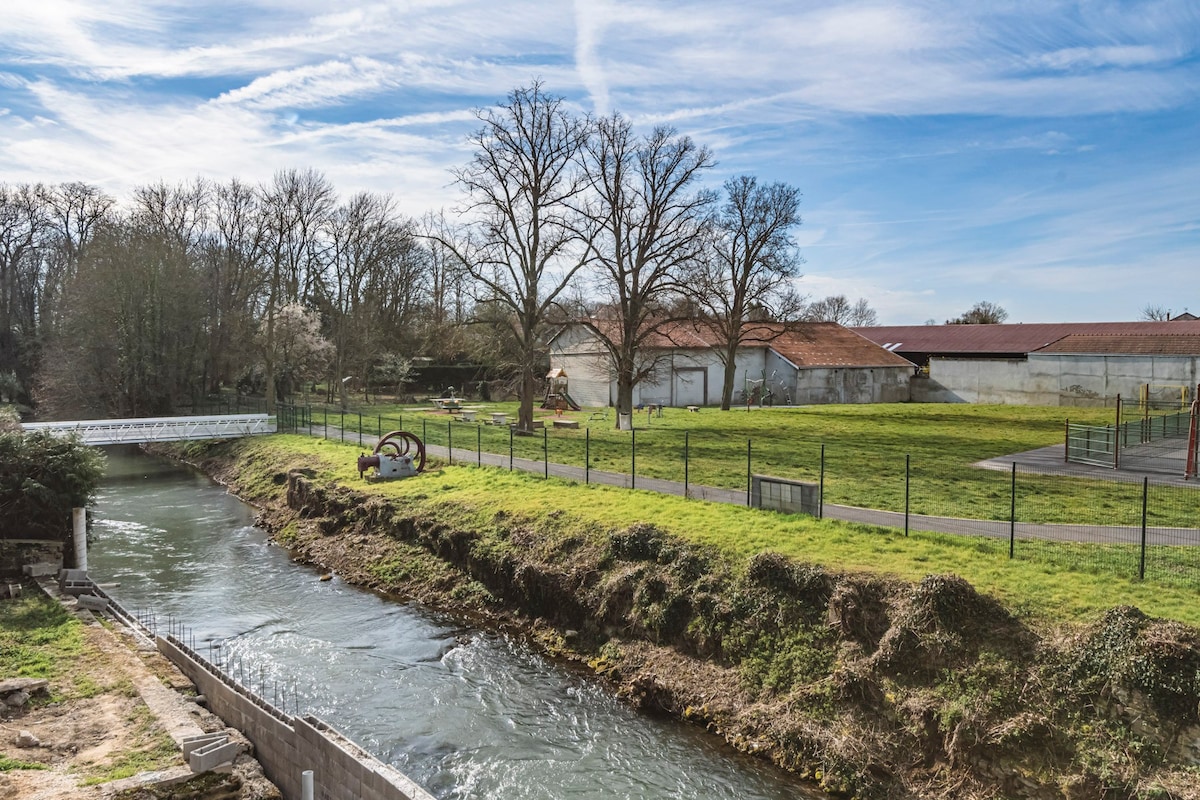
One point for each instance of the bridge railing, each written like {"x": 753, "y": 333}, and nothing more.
{"x": 159, "y": 429}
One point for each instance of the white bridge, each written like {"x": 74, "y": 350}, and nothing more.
{"x": 159, "y": 429}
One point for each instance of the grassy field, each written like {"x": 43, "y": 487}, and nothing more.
{"x": 1045, "y": 580}
{"x": 864, "y": 448}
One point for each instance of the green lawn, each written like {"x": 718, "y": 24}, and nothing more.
{"x": 865, "y": 451}
{"x": 1044, "y": 580}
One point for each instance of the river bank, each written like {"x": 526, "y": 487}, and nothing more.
{"x": 867, "y": 684}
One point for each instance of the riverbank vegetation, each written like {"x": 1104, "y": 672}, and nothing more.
{"x": 877, "y": 665}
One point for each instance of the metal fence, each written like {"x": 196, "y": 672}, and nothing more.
{"x": 1149, "y": 435}
{"x": 1136, "y": 527}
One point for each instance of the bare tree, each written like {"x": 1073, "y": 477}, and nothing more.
{"x": 1152, "y": 312}
{"x": 23, "y": 228}
{"x": 838, "y": 308}
{"x": 524, "y": 245}
{"x": 982, "y": 313}
{"x": 747, "y": 273}
{"x": 77, "y": 211}
{"x": 374, "y": 277}
{"x": 645, "y": 230}
{"x": 296, "y": 207}
{"x": 233, "y": 266}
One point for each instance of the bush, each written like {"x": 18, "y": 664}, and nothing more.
{"x": 42, "y": 478}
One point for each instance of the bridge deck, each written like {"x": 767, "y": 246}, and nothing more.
{"x": 159, "y": 429}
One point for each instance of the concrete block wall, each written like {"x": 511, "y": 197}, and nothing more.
{"x": 286, "y": 746}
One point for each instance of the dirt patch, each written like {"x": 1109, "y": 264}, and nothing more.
{"x": 110, "y": 714}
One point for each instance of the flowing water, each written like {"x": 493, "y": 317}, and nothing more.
{"x": 464, "y": 712}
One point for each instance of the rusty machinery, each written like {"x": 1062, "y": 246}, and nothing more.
{"x": 398, "y": 454}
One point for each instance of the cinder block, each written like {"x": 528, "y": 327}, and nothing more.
{"x": 92, "y": 603}
{"x": 40, "y": 569}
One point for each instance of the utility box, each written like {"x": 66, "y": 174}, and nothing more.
{"x": 788, "y": 496}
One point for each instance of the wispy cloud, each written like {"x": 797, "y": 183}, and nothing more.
{"x": 942, "y": 147}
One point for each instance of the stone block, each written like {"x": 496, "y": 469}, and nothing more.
{"x": 40, "y": 569}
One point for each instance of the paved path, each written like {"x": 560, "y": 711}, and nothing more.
{"x": 1044, "y": 460}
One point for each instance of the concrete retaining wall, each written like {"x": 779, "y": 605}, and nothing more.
{"x": 286, "y": 746}
{"x": 1051, "y": 379}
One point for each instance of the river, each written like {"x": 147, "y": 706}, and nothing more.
{"x": 465, "y": 712}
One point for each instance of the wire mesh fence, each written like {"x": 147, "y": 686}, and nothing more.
{"x": 1145, "y": 528}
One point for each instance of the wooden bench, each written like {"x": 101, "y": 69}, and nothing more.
{"x": 566, "y": 423}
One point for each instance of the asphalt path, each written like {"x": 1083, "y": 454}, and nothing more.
{"x": 1046, "y": 460}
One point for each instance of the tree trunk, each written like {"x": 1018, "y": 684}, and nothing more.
{"x": 525, "y": 410}
{"x": 730, "y": 377}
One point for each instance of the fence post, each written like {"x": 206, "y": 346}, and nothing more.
{"x": 342, "y": 425}
{"x": 360, "y": 429}
{"x": 479, "y": 445}
{"x": 587, "y": 456}
{"x": 450, "y": 439}
{"x": 510, "y": 448}
{"x": 324, "y": 423}
{"x": 748, "y": 480}
{"x": 907, "y": 458}
{"x": 685, "y": 463}
{"x": 632, "y": 457}
{"x": 378, "y": 426}
{"x": 821, "y": 488}
{"x": 545, "y": 452}
{"x": 1116, "y": 433}
{"x": 1012, "y": 514}
{"x": 1145, "y": 498}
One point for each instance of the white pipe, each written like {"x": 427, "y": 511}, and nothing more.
{"x": 306, "y": 785}
{"x": 79, "y": 526}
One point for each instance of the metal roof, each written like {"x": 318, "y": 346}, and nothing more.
{"x": 1007, "y": 339}
{"x": 1155, "y": 344}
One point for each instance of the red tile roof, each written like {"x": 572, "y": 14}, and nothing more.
{"x": 806, "y": 344}
{"x": 1006, "y": 339}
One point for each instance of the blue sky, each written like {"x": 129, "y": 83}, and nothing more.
{"x": 1041, "y": 155}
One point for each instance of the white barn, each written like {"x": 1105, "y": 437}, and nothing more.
{"x": 808, "y": 363}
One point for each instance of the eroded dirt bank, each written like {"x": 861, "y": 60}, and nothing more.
{"x": 870, "y": 686}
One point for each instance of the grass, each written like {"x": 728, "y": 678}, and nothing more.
{"x": 37, "y": 637}
{"x": 1047, "y": 580}
{"x": 8, "y": 763}
{"x": 860, "y": 450}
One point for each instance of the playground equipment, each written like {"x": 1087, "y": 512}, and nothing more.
{"x": 398, "y": 454}
{"x": 556, "y": 387}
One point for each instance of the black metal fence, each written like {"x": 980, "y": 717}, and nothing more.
{"x": 1143, "y": 528}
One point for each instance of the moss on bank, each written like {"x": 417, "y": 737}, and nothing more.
{"x": 869, "y": 682}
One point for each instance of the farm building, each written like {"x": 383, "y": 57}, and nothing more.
{"x": 804, "y": 363}
{"x": 1068, "y": 364}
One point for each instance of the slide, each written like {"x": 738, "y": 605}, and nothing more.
{"x": 571, "y": 403}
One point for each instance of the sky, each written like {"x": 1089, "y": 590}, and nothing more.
{"x": 1040, "y": 155}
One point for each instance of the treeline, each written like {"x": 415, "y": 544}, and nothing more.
{"x": 142, "y": 310}
{"x": 187, "y": 290}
